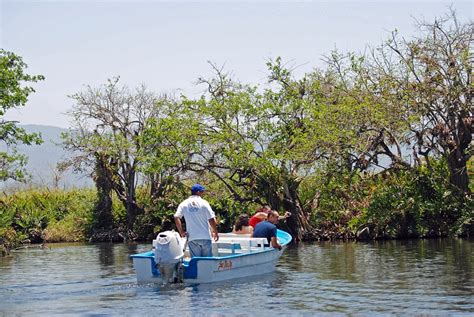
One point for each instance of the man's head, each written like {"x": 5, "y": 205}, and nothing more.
{"x": 273, "y": 216}
{"x": 197, "y": 189}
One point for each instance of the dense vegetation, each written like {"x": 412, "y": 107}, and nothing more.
{"x": 375, "y": 146}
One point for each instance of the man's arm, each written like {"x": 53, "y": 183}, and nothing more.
{"x": 286, "y": 215}
{"x": 179, "y": 226}
{"x": 215, "y": 234}
{"x": 275, "y": 243}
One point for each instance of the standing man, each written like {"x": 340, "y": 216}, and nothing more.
{"x": 198, "y": 216}
{"x": 267, "y": 229}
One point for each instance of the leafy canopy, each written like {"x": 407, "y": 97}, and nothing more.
{"x": 14, "y": 93}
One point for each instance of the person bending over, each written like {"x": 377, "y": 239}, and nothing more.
{"x": 259, "y": 216}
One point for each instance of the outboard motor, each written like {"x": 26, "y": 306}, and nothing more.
{"x": 169, "y": 252}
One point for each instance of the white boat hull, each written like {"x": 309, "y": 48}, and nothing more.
{"x": 214, "y": 269}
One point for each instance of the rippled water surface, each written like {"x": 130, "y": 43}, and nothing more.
{"x": 410, "y": 277}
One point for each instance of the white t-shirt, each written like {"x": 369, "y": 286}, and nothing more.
{"x": 196, "y": 212}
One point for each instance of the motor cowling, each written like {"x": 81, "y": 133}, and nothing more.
{"x": 168, "y": 248}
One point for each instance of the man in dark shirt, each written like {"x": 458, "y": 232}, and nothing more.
{"x": 267, "y": 229}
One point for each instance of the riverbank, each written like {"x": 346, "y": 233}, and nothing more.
{"x": 391, "y": 205}
{"x": 314, "y": 235}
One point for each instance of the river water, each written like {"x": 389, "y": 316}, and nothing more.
{"x": 408, "y": 277}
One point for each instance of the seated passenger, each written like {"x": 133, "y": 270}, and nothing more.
{"x": 242, "y": 225}
{"x": 267, "y": 229}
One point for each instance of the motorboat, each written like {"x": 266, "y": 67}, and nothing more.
{"x": 233, "y": 256}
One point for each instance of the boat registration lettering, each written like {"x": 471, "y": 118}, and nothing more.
{"x": 224, "y": 265}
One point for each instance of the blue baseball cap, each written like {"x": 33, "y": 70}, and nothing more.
{"x": 197, "y": 188}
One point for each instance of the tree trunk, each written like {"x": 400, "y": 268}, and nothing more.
{"x": 103, "y": 207}
{"x": 159, "y": 186}
{"x": 457, "y": 148}
{"x": 458, "y": 171}
{"x": 298, "y": 224}
{"x": 133, "y": 210}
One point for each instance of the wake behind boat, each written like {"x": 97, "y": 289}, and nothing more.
{"x": 234, "y": 256}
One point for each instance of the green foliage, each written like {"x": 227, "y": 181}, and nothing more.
{"x": 396, "y": 203}
{"x": 310, "y": 145}
{"x": 72, "y": 228}
{"x": 470, "y": 173}
{"x": 415, "y": 94}
{"x": 158, "y": 213}
{"x": 30, "y": 213}
{"x": 9, "y": 239}
{"x": 227, "y": 208}
{"x": 128, "y": 135}
{"x": 420, "y": 203}
{"x": 339, "y": 200}
{"x": 14, "y": 92}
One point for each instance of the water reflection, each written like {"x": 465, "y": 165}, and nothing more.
{"x": 445, "y": 263}
{"x": 409, "y": 277}
{"x": 113, "y": 258}
{"x": 6, "y": 263}
{"x": 106, "y": 255}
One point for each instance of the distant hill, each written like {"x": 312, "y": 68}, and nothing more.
{"x": 42, "y": 160}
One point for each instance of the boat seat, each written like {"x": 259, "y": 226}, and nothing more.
{"x": 231, "y": 246}
{"x": 238, "y": 244}
{"x": 233, "y": 235}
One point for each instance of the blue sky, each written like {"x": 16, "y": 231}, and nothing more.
{"x": 167, "y": 45}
